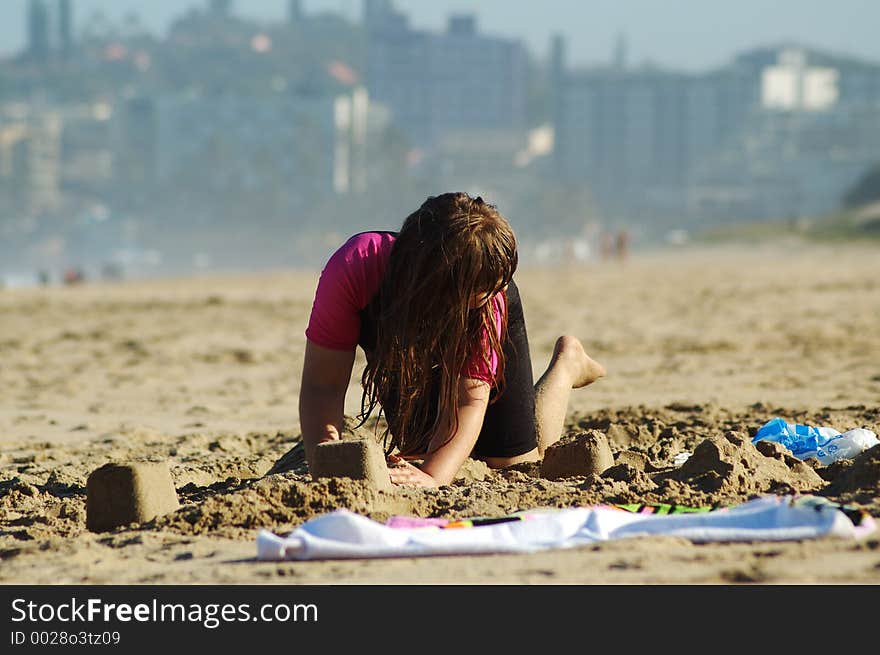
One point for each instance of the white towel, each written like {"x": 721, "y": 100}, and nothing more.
{"x": 342, "y": 534}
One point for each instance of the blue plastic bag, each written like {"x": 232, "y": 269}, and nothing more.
{"x": 824, "y": 443}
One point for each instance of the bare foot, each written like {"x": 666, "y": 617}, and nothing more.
{"x": 584, "y": 370}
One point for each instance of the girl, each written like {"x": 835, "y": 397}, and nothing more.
{"x": 437, "y": 313}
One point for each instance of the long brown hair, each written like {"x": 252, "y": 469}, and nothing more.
{"x": 452, "y": 248}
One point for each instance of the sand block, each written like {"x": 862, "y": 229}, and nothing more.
{"x": 360, "y": 459}
{"x": 473, "y": 470}
{"x": 637, "y": 460}
{"x": 582, "y": 454}
{"x": 119, "y": 494}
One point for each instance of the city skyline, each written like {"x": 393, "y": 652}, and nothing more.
{"x": 680, "y": 34}
{"x": 166, "y": 145}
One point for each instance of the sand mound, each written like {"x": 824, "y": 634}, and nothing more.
{"x": 274, "y": 501}
{"x": 733, "y": 465}
{"x": 856, "y": 480}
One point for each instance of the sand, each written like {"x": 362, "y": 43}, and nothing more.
{"x": 702, "y": 346}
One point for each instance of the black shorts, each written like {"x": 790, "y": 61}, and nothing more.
{"x": 509, "y": 427}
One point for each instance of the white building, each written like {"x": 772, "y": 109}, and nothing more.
{"x": 795, "y": 86}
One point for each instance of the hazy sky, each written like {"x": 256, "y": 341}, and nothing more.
{"x": 680, "y": 34}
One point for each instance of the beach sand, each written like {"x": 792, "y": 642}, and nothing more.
{"x": 702, "y": 346}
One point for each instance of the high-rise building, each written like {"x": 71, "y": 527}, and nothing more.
{"x": 778, "y": 132}
{"x": 557, "y": 78}
{"x": 438, "y": 83}
{"x": 65, "y": 26}
{"x": 294, "y": 11}
{"x": 558, "y": 57}
{"x": 38, "y": 31}
{"x": 13, "y": 137}
{"x": 299, "y": 144}
{"x": 635, "y": 136}
{"x": 793, "y": 85}
{"x": 135, "y": 149}
{"x": 87, "y": 166}
{"x": 220, "y": 7}
{"x": 799, "y": 78}
{"x": 620, "y": 59}
{"x": 376, "y": 12}
{"x": 30, "y": 160}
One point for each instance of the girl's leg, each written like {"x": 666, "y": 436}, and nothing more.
{"x": 509, "y": 429}
{"x": 529, "y": 417}
{"x": 570, "y": 368}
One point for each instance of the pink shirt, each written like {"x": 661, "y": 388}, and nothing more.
{"x": 349, "y": 281}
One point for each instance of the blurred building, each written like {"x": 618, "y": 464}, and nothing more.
{"x": 211, "y": 29}
{"x": 86, "y": 149}
{"x": 811, "y": 79}
{"x": 289, "y": 143}
{"x": 634, "y": 136}
{"x": 38, "y": 31}
{"x": 135, "y": 147}
{"x": 459, "y": 80}
{"x": 294, "y": 11}
{"x": 788, "y": 165}
{"x": 49, "y": 29}
{"x": 65, "y": 26}
{"x": 220, "y": 7}
{"x": 30, "y": 141}
{"x": 774, "y": 133}
{"x": 812, "y": 137}
{"x": 792, "y": 85}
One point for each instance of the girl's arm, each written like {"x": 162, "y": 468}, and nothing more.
{"x": 325, "y": 379}
{"x": 445, "y": 456}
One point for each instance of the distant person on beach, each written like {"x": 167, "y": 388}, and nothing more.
{"x": 439, "y": 318}
{"x": 607, "y": 246}
{"x": 73, "y": 276}
{"x": 622, "y": 245}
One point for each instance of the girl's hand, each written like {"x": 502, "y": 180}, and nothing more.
{"x": 405, "y": 474}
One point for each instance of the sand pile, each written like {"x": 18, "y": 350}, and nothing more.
{"x": 856, "y": 480}
{"x": 733, "y": 465}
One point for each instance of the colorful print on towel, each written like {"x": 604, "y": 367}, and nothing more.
{"x": 660, "y": 509}
{"x": 857, "y": 515}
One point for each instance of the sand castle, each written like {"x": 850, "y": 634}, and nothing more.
{"x": 360, "y": 459}
{"x": 120, "y": 494}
